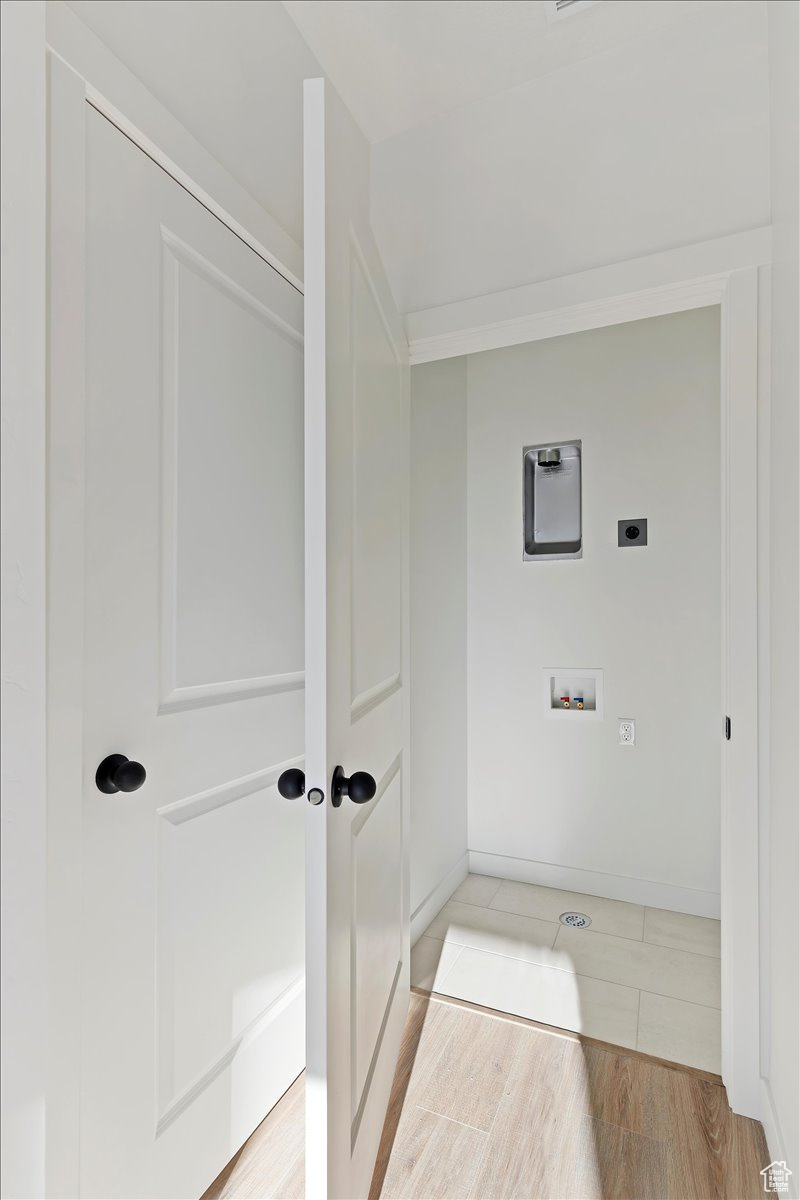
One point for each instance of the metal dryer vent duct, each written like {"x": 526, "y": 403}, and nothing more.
{"x": 549, "y": 460}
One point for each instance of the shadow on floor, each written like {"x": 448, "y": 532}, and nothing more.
{"x": 489, "y": 1105}
{"x": 415, "y": 1024}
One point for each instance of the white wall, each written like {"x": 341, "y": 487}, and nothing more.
{"x": 644, "y": 400}
{"x": 658, "y": 143}
{"x": 22, "y": 791}
{"x": 438, "y": 625}
{"x": 781, "y": 921}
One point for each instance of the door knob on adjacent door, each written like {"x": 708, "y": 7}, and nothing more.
{"x": 292, "y": 783}
{"x": 360, "y": 787}
{"x": 119, "y": 774}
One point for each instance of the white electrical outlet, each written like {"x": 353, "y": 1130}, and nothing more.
{"x": 627, "y": 731}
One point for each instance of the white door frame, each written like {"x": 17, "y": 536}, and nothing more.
{"x": 116, "y": 92}
{"x": 22, "y": 545}
{"x": 723, "y": 273}
{"x": 68, "y": 94}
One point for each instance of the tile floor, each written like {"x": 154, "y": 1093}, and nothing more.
{"x": 639, "y": 977}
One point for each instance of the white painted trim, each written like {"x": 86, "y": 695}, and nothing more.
{"x": 425, "y": 912}
{"x": 24, "y": 1123}
{"x": 276, "y": 1008}
{"x": 397, "y": 347}
{"x": 725, "y": 273}
{"x": 739, "y": 822}
{"x": 553, "y": 12}
{"x": 776, "y": 1142}
{"x": 200, "y": 695}
{"x": 673, "y": 281}
{"x": 116, "y": 92}
{"x": 597, "y": 883}
{"x": 177, "y": 812}
{"x": 65, "y": 615}
{"x": 372, "y": 697}
{"x": 764, "y": 669}
{"x": 318, "y": 1140}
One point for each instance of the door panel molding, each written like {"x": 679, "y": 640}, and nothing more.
{"x": 171, "y": 891}
{"x": 217, "y": 797}
{"x": 376, "y": 625}
{"x": 355, "y": 1127}
{"x": 360, "y": 1091}
{"x": 270, "y": 1014}
{"x": 176, "y": 248}
{"x": 177, "y": 253}
{"x": 202, "y": 694}
{"x": 374, "y": 696}
{"x": 386, "y": 778}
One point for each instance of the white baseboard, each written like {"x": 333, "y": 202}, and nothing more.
{"x": 597, "y": 883}
{"x": 424, "y": 913}
{"x": 776, "y": 1144}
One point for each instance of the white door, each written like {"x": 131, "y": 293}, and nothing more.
{"x": 357, "y": 931}
{"x": 193, "y": 893}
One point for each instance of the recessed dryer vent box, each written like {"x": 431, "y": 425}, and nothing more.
{"x": 578, "y": 685}
{"x": 551, "y": 523}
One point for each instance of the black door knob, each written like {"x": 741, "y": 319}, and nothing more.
{"x": 292, "y": 783}
{"x": 360, "y": 787}
{"x": 119, "y": 774}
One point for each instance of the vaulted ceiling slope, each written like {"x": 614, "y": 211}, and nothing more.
{"x": 398, "y": 64}
{"x": 508, "y": 149}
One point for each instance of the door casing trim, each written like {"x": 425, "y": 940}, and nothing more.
{"x": 117, "y": 93}
{"x": 731, "y": 274}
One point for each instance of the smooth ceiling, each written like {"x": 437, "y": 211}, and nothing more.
{"x": 646, "y": 147}
{"x": 526, "y": 151}
{"x": 398, "y": 64}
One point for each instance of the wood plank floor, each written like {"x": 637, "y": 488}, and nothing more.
{"x": 485, "y": 1106}
{"x": 271, "y": 1163}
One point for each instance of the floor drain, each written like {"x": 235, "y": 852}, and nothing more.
{"x": 576, "y": 920}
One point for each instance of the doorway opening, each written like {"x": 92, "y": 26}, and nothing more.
{"x": 600, "y": 791}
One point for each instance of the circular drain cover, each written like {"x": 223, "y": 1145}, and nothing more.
{"x": 576, "y": 920}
